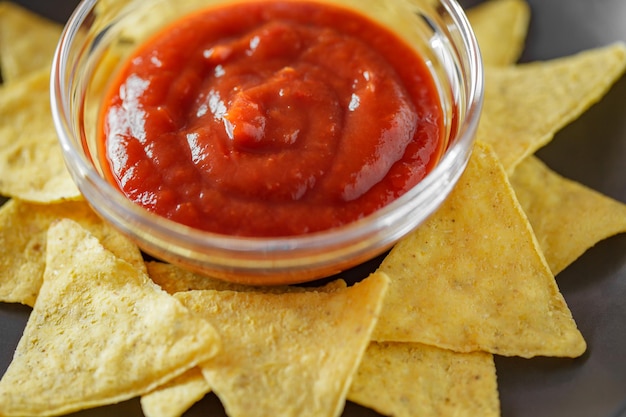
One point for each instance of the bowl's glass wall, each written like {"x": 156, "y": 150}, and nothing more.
{"x": 101, "y": 34}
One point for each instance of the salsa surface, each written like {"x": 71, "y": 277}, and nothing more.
{"x": 270, "y": 119}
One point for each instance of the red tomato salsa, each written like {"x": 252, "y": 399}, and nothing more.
{"x": 271, "y": 119}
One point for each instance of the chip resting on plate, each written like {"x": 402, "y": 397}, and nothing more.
{"x": 473, "y": 277}
{"x": 27, "y": 41}
{"x": 100, "y": 332}
{"x": 187, "y": 388}
{"x": 176, "y": 396}
{"x": 415, "y": 380}
{"x": 31, "y": 162}
{"x": 500, "y": 27}
{"x": 567, "y": 217}
{"x": 174, "y": 279}
{"x": 23, "y": 236}
{"x": 291, "y": 354}
{"x": 526, "y": 104}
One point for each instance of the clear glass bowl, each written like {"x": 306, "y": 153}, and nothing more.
{"x": 101, "y": 33}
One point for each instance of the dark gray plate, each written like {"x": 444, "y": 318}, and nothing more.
{"x": 591, "y": 150}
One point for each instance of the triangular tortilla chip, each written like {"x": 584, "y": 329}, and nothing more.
{"x": 177, "y": 396}
{"x": 290, "y": 354}
{"x": 567, "y": 217}
{"x": 525, "y": 105}
{"x": 500, "y": 27}
{"x": 27, "y": 41}
{"x": 174, "y": 279}
{"x": 414, "y": 380}
{"x": 31, "y": 162}
{"x": 100, "y": 332}
{"x": 143, "y": 21}
{"x": 23, "y": 236}
{"x": 187, "y": 388}
{"x": 472, "y": 277}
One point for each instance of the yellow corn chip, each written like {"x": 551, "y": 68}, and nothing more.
{"x": 100, "y": 332}
{"x": 27, "y": 41}
{"x": 414, "y": 380}
{"x": 500, "y": 27}
{"x": 174, "y": 279}
{"x": 567, "y": 217}
{"x": 187, "y": 388}
{"x": 473, "y": 277}
{"x": 139, "y": 23}
{"x": 525, "y": 105}
{"x": 177, "y": 396}
{"x": 31, "y": 162}
{"x": 290, "y": 354}
{"x": 23, "y": 235}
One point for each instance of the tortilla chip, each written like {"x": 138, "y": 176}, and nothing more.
{"x": 567, "y": 217}
{"x": 31, "y": 162}
{"x": 23, "y": 236}
{"x": 139, "y": 23}
{"x": 100, "y": 332}
{"x": 525, "y": 105}
{"x": 290, "y": 354}
{"x": 174, "y": 279}
{"x": 500, "y": 27}
{"x": 472, "y": 277}
{"x": 27, "y": 41}
{"x": 414, "y": 380}
{"x": 177, "y": 396}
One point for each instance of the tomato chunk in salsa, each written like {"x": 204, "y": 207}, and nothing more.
{"x": 270, "y": 119}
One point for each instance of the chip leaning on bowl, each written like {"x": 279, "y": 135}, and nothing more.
{"x": 456, "y": 388}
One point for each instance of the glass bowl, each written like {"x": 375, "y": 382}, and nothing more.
{"x": 101, "y": 33}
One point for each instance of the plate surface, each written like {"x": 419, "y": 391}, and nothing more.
{"x": 592, "y": 150}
